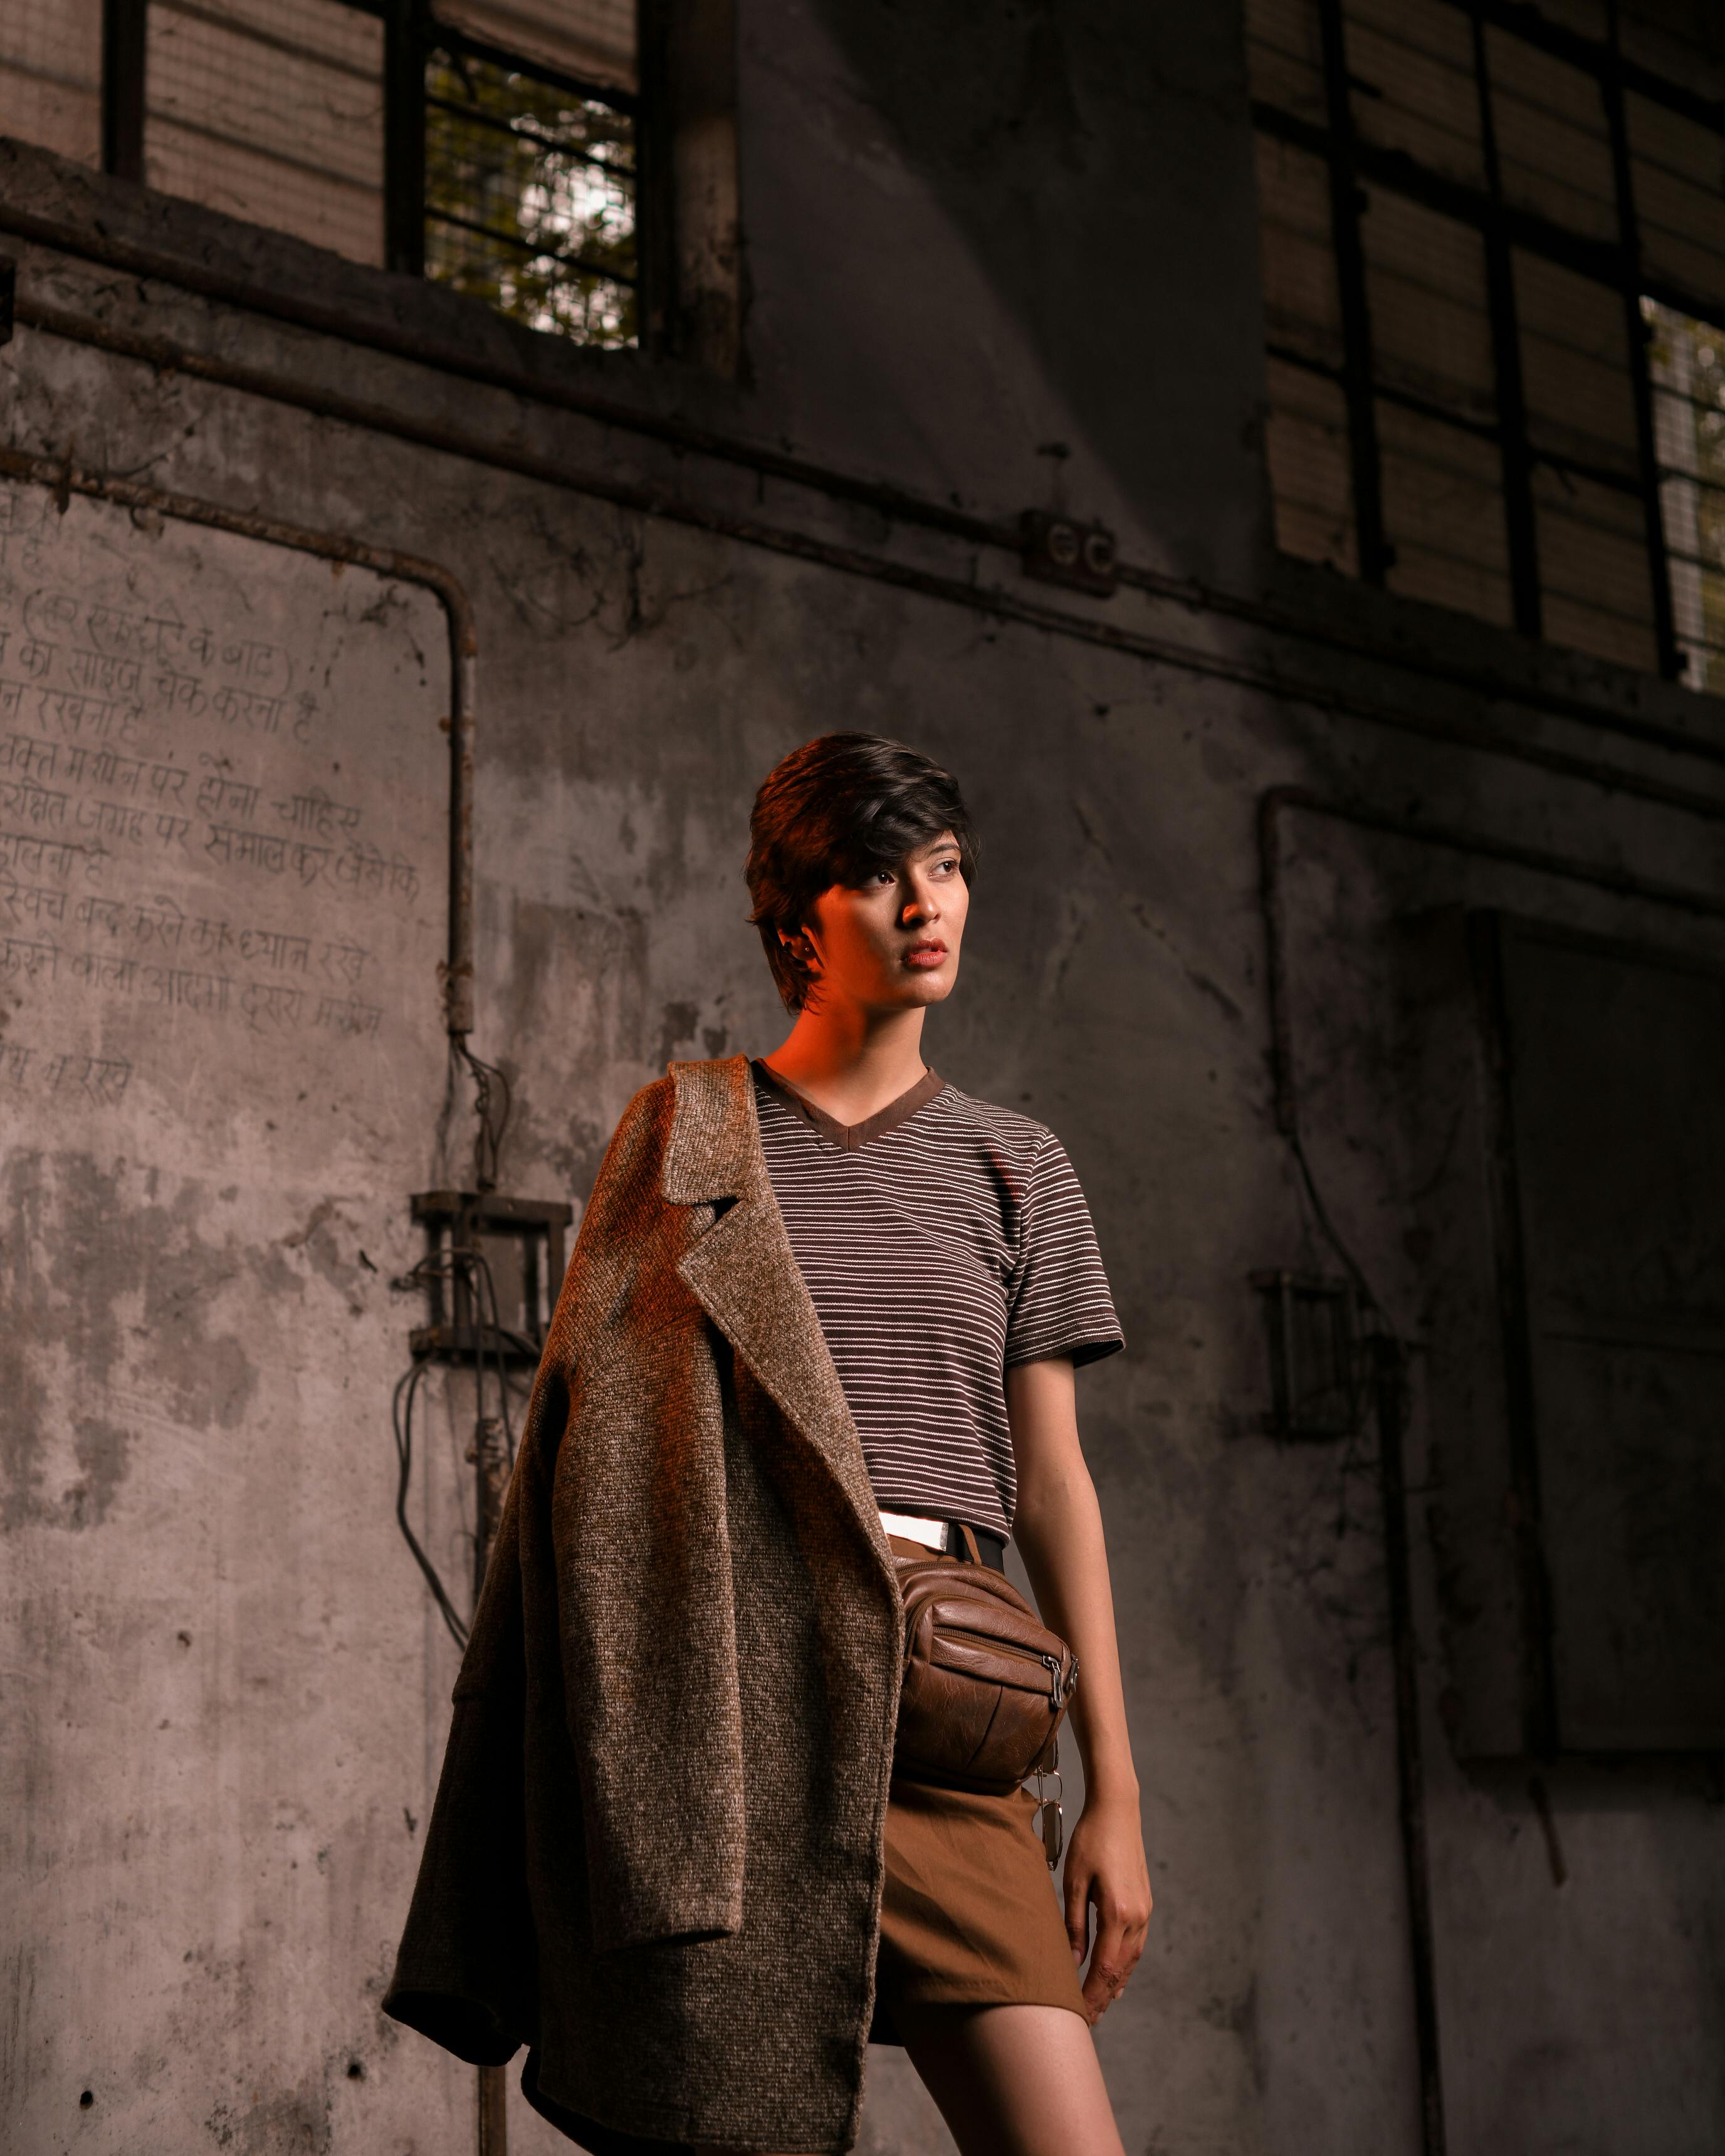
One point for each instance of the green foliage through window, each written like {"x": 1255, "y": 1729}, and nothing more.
{"x": 529, "y": 199}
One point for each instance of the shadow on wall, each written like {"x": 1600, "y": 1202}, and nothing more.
{"x": 1096, "y": 162}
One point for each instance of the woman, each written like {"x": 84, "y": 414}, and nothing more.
{"x": 824, "y": 1310}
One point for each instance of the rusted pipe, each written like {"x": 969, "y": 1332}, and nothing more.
{"x": 1389, "y": 1391}
{"x": 1479, "y": 681}
{"x": 1279, "y": 800}
{"x": 896, "y": 503}
{"x": 63, "y": 478}
{"x": 133, "y": 261}
{"x": 1390, "y": 1365}
{"x": 647, "y": 500}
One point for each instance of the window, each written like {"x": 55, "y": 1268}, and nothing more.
{"x": 1494, "y": 251}
{"x": 51, "y": 75}
{"x": 1687, "y": 361}
{"x": 489, "y": 144}
{"x": 530, "y": 200}
{"x": 271, "y": 110}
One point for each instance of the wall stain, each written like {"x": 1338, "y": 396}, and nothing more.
{"x": 273, "y": 2126}
{"x": 677, "y": 1024}
{"x": 101, "y": 1450}
{"x": 112, "y": 1298}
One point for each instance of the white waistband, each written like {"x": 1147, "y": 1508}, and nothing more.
{"x": 931, "y": 1534}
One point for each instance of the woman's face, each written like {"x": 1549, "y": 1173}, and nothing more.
{"x": 892, "y": 943}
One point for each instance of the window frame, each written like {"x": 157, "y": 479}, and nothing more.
{"x": 412, "y": 35}
{"x": 1352, "y": 162}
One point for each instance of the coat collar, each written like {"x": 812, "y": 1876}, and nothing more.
{"x": 745, "y": 1275}
{"x": 715, "y": 1148}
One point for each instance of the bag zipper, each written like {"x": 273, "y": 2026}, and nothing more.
{"x": 1051, "y": 1663}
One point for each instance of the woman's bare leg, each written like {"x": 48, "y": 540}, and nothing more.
{"x": 1013, "y": 2081}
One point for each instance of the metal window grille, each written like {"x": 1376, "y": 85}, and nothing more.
{"x": 51, "y": 75}
{"x": 271, "y": 110}
{"x": 1494, "y": 251}
{"x": 1687, "y": 362}
{"x": 490, "y": 144}
{"x": 530, "y": 196}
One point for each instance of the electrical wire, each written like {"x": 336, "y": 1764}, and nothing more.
{"x": 467, "y": 1267}
{"x": 491, "y": 1113}
{"x": 451, "y": 1264}
{"x": 1332, "y": 1236}
{"x": 407, "y": 1386}
{"x": 488, "y": 1334}
{"x": 1380, "y": 1327}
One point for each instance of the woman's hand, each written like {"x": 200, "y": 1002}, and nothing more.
{"x": 1106, "y": 1867}
{"x": 1059, "y": 1531}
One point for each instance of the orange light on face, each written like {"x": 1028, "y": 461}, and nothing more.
{"x": 892, "y": 943}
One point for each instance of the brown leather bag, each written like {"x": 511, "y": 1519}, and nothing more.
{"x": 986, "y": 1684}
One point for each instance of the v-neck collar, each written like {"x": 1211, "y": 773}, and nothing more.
{"x": 852, "y": 1138}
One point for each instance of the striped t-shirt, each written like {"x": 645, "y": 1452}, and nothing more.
{"x": 940, "y": 1240}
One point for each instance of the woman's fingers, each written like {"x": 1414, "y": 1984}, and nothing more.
{"x": 1110, "y": 1963}
{"x": 1120, "y": 1931}
{"x": 1080, "y": 1881}
{"x": 1106, "y": 1870}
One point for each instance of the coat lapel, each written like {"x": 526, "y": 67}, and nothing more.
{"x": 745, "y": 1275}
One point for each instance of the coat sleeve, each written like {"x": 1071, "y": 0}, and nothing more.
{"x": 645, "y": 1619}
{"x": 464, "y": 1973}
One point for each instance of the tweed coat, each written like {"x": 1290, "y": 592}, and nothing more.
{"x": 656, "y": 1853}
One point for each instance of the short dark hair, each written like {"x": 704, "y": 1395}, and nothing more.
{"x": 834, "y": 812}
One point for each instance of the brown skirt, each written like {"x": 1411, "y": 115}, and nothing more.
{"x": 968, "y": 1913}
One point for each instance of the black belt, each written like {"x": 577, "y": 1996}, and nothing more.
{"x": 991, "y": 1548}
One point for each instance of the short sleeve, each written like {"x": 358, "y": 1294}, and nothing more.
{"x": 1060, "y": 1300}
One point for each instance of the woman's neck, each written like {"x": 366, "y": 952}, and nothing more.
{"x": 851, "y": 1063}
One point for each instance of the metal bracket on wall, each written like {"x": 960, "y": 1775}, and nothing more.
{"x": 1314, "y": 1364}
{"x": 484, "y": 1246}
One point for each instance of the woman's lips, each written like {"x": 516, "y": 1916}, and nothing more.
{"x": 924, "y": 956}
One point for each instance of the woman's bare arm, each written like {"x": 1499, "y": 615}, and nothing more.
{"x": 1059, "y": 1531}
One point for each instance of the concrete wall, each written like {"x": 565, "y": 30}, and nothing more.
{"x": 971, "y": 233}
